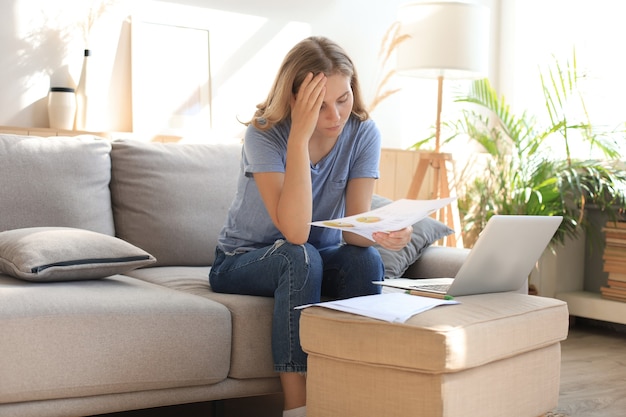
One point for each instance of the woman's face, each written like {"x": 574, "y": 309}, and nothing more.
{"x": 336, "y": 107}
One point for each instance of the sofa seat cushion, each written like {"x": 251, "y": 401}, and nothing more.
{"x": 114, "y": 335}
{"x": 481, "y": 329}
{"x": 56, "y": 181}
{"x": 251, "y": 317}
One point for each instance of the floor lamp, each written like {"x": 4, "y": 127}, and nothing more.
{"x": 445, "y": 39}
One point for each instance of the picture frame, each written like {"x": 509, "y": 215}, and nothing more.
{"x": 171, "y": 79}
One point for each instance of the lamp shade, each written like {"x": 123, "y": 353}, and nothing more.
{"x": 449, "y": 39}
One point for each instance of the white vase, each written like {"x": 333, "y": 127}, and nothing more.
{"x": 61, "y": 108}
{"x": 83, "y": 92}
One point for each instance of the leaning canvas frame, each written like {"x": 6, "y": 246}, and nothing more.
{"x": 171, "y": 79}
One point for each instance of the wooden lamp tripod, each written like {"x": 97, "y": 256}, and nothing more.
{"x": 448, "y": 38}
{"x": 442, "y": 164}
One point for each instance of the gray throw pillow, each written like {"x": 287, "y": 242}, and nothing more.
{"x": 44, "y": 254}
{"x": 425, "y": 232}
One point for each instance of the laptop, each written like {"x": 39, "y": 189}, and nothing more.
{"x": 500, "y": 261}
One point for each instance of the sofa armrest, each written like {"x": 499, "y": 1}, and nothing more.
{"x": 437, "y": 262}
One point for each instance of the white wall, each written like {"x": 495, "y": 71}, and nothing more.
{"x": 41, "y": 44}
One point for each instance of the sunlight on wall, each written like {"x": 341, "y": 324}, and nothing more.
{"x": 52, "y": 38}
{"x": 224, "y": 45}
{"x": 61, "y": 30}
{"x": 545, "y": 30}
{"x": 243, "y": 62}
{"x": 44, "y": 28}
{"x": 260, "y": 71}
{"x": 244, "y": 53}
{"x": 243, "y": 72}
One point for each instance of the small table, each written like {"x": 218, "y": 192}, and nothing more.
{"x": 490, "y": 356}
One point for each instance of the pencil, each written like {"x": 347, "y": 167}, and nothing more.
{"x": 430, "y": 294}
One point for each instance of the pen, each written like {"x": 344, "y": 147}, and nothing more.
{"x": 430, "y": 294}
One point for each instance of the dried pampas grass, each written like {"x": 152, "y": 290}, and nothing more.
{"x": 388, "y": 45}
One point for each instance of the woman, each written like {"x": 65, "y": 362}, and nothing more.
{"x": 310, "y": 153}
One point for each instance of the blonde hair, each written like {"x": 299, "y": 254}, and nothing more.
{"x": 314, "y": 54}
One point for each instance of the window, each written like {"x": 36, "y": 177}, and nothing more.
{"x": 536, "y": 31}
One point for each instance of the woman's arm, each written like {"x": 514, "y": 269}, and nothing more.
{"x": 358, "y": 200}
{"x": 288, "y": 197}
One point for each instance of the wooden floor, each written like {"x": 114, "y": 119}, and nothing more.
{"x": 593, "y": 380}
{"x": 593, "y": 371}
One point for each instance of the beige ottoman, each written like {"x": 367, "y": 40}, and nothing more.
{"x": 493, "y": 355}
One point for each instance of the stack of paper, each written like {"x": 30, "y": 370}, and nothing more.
{"x": 392, "y": 307}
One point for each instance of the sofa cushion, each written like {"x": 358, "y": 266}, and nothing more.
{"x": 425, "y": 232}
{"x": 172, "y": 199}
{"x": 112, "y": 335}
{"x": 56, "y": 181}
{"x": 438, "y": 262}
{"x": 66, "y": 254}
{"x": 251, "y": 317}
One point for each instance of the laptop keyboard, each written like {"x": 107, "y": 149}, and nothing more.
{"x": 432, "y": 287}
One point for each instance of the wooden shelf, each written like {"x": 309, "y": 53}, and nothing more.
{"x": 591, "y": 305}
{"x": 47, "y": 132}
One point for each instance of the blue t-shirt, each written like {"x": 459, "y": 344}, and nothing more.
{"x": 356, "y": 154}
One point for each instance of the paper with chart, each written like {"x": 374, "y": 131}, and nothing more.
{"x": 394, "y": 216}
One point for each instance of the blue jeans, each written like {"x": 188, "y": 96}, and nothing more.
{"x": 295, "y": 275}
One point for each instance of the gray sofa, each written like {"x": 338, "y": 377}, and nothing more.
{"x": 135, "y": 323}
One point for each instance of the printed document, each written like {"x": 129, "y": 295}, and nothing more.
{"x": 392, "y": 307}
{"x": 394, "y": 216}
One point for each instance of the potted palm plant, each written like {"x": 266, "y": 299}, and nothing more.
{"x": 529, "y": 167}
